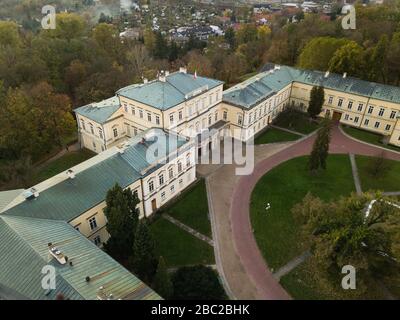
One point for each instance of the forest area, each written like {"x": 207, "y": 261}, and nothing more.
{"x": 45, "y": 74}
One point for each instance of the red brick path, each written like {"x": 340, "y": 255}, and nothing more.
{"x": 245, "y": 242}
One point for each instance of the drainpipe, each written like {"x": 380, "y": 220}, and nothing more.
{"x": 143, "y": 206}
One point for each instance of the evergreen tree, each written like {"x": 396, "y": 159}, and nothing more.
{"x": 143, "y": 261}
{"x": 122, "y": 219}
{"x": 320, "y": 149}
{"x": 317, "y": 97}
{"x": 162, "y": 282}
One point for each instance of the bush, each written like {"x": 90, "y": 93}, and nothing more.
{"x": 197, "y": 283}
{"x": 378, "y": 167}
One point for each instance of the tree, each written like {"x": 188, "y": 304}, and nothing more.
{"x": 317, "y": 98}
{"x": 318, "y": 52}
{"x": 378, "y": 167}
{"x": 197, "y": 283}
{"x": 230, "y": 37}
{"x": 339, "y": 233}
{"x": 320, "y": 149}
{"x": 348, "y": 58}
{"x": 200, "y": 63}
{"x": 122, "y": 220}
{"x": 393, "y": 59}
{"x": 162, "y": 283}
{"x": 377, "y": 64}
{"x": 143, "y": 260}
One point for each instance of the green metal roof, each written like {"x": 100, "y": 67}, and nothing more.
{"x": 24, "y": 252}
{"x": 71, "y": 197}
{"x": 100, "y": 112}
{"x": 6, "y": 197}
{"x": 177, "y": 88}
{"x": 266, "y": 84}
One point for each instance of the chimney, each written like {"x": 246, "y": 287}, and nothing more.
{"x": 345, "y": 75}
{"x": 182, "y": 70}
{"x": 145, "y": 80}
{"x": 277, "y": 67}
{"x": 166, "y": 73}
{"x": 162, "y": 77}
{"x": 35, "y": 192}
{"x": 327, "y": 74}
{"x": 71, "y": 174}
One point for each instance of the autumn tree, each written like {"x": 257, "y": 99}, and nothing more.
{"x": 341, "y": 233}
{"x": 122, "y": 220}
{"x": 348, "y": 59}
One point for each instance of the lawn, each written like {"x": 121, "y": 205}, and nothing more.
{"x": 296, "y": 121}
{"x": 178, "y": 247}
{"x": 272, "y": 135}
{"x": 367, "y": 136}
{"x": 191, "y": 208}
{"x": 387, "y": 181}
{"x": 275, "y": 230}
{"x": 59, "y": 165}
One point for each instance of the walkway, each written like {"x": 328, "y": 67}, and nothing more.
{"x": 193, "y": 232}
{"x": 240, "y": 260}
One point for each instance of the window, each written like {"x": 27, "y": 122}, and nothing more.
{"x": 163, "y": 196}
{"x": 225, "y": 115}
{"x": 377, "y": 124}
{"x": 149, "y": 117}
{"x": 161, "y": 179}
{"x": 94, "y": 145}
{"x": 370, "y": 109}
{"x": 340, "y": 102}
{"x": 151, "y": 186}
{"x": 126, "y": 108}
{"x": 157, "y": 120}
{"x": 172, "y": 189}
{"x": 180, "y": 182}
{"x": 100, "y": 133}
{"x": 216, "y": 117}
{"x": 356, "y": 119}
{"x": 115, "y": 130}
{"x": 350, "y": 105}
{"x": 366, "y": 122}
{"x": 381, "y": 112}
{"x": 388, "y": 126}
{"x": 97, "y": 240}
{"x": 240, "y": 119}
{"x": 171, "y": 118}
{"x": 360, "y": 107}
{"x": 133, "y": 110}
{"x": 83, "y": 125}
{"x": 171, "y": 173}
{"x": 392, "y": 114}
{"x": 209, "y": 120}
{"x": 141, "y": 114}
{"x": 346, "y": 117}
{"x": 77, "y": 228}
{"x": 92, "y": 223}
{"x": 250, "y": 117}
{"x": 91, "y": 129}
{"x": 179, "y": 167}
{"x": 180, "y": 115}
{"x": 188, "y": 160}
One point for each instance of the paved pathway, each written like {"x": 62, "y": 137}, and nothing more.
{"x": 354, "y": 170}
{"x": 241, "y": 262}
{"x": 287, "y": 130}
{"x": 193, "y": 232}
{"x": 291, "y": 265}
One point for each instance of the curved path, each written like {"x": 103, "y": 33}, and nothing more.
{"x": 245, "y": 244}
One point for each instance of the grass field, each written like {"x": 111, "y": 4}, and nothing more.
{"x": 367, "y": 136}
{"x": 178, "y": 247}
{"x": 389, "y": 181}
{"x": 191, "y": 208}
{"x": 296, "y": 121}
{"x": 275, "y": 230}
{"x": 272, "y": 135}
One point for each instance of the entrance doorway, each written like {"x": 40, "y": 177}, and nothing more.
{"x": 154, "y": 205}
{"x": 336, "y": 116}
